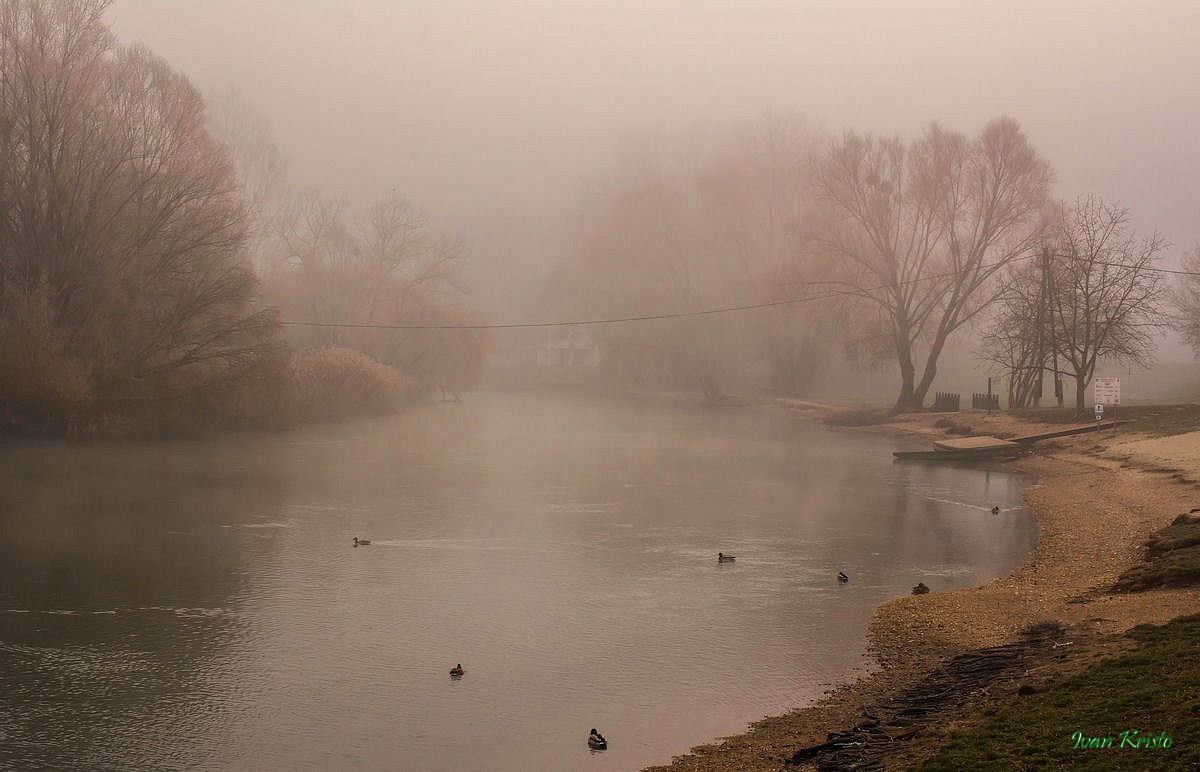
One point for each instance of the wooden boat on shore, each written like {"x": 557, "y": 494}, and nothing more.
{"x": 983, "y": 448}
{"x": 963, "y": 449}
{"x": 957, "y": 455}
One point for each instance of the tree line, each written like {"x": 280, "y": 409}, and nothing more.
{"x": 900, "y": 245}
{"x": 148, "y": 245}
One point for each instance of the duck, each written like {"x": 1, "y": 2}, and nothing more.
{"x": 723, "y": 558}
{"x": 457, "y": 671}
{"x": 842, "y": 577}
{"x": 596, "y": 741}
{"x": 361, "y": 542}
{"x": 995, "y": 510}
{"x": 920, "y": 589}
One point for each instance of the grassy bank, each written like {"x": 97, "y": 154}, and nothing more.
{"x": 1123, "y": 702}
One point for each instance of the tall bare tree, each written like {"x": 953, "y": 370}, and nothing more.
{"x": 388, "y": 268}
{"x": 1186, "y": 300}
{"x": 1016, "y": 338}
{"x": 120, "y": 211}
{"x": 1107, "y": 296}
{"x": 258, "y": 163}
{"x": 918, "y": 231}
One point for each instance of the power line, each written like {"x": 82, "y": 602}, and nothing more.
{"x": 678, "y": 314}
{"x": 644, "y": 318}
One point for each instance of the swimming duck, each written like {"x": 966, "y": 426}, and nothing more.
{"x": 362, "y": 542}
{"x": 842, "y": 577}
{"x": 920, "y": 589}
{"x": 723, "y": 558}
{"x": 457, "y": 671}
{"x": 596, "y": 741}
{"x": 995, "y": 510}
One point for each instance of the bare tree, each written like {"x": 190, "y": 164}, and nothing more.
{"x": 389, "y": 268}
{"x": 1016, "y": 338}
{"x": 918, "y": 231}
{"x": 118, "y": 207}
{"x": 1107, "y": 296}
{"x": 1186, "y": 300}
{"x": 258, "y": 163}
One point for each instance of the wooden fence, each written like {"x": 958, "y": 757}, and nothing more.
{"x": 985, "y": 401}
{"x": 945, "y": 402}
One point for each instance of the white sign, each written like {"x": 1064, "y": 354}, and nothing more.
{"x": 1099, "y": 412}
{"x": 1108, "y": 391}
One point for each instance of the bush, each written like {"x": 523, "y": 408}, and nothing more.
{"x": 329, "y": 382}
{"x": 41, "y": 385}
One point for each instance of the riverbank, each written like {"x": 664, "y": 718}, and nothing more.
{"x": 1098, "y": 498}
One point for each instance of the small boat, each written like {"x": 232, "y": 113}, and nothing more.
{"x": 723, "y": 558}
{"x": 457, "y": 671}
{"x": 597, "y": 742}
{"x": 361, "y": 542}
{"x": 957, "y": 455}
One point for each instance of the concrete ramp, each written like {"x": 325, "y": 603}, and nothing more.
{"x": 974, "y": 443}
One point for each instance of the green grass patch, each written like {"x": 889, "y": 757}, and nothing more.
{"x": 1173, "y": 537}
{"x": 1153, "y": 690}
{"x": 1155, "y": 420}
{"x": 1172, "y": 560}
{"x": 863, "y": 416}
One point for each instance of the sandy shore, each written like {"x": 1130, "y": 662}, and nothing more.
{"x": 1097, "y": 499}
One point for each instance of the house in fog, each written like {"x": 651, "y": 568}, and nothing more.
{"x": 568, "y": 347}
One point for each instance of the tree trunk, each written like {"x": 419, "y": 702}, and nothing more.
{"x": 1080, "y": 395}
{"x": 906, "y": 402}
{"x": 930, "y": 371}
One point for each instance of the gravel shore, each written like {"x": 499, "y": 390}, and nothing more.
{"x": 1095, "y": 505}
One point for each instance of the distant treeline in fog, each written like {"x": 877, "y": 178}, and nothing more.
{"x": 882, "y": 251}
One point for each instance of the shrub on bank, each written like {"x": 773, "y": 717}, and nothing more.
{"x": 40, "y": 383}
{"x": 329, "y": 383}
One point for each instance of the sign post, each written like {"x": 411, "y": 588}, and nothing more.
{"x": 1099, "y": 415}
{"x": 1108, "y": 392}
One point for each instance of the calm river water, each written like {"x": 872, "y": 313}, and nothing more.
{"x": 199, "y": 604}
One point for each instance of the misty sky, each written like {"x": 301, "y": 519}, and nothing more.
{"x": 492, "y": 115}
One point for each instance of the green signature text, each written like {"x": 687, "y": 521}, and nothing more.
{"x": 1130, "y": 738}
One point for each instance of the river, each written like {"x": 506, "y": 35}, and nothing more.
{"x": 188, "y": 604}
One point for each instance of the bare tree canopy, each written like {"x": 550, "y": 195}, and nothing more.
{"x": 1186, "y": 299}
{"x": 1106, "y": 297}
{"x": 1017, "y": 338}
{"x": 390, "y": 267}
{"x": 917, "y": 232}
{"x": 121, "y": 227}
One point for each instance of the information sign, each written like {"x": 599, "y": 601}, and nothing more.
{"x": 1108, "y": 391}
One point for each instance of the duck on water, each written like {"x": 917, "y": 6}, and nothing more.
{"x": 723, "y": 558}
{"x": 361, "y": 542}
{"x": 596, "y": 741}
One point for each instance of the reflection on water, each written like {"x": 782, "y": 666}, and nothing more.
{"x": 186, "y": 604}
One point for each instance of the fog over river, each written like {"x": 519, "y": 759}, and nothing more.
{"x": 200, "y": 603}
